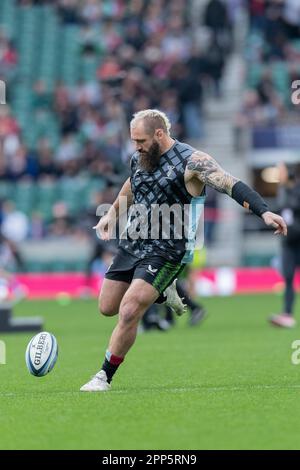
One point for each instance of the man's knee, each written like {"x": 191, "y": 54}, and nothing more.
{"x": 131, "y": 310}
{"x": 107, "y": 308}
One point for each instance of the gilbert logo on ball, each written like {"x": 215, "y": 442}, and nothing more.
{"x": 41, "y": 354}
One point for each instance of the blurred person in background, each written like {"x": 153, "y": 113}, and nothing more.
{"x": 155, "y": 319}
{"x": 62, "y": 222}
{"x": 10, "y": 261}
{"x": 186, "y": 291}
{"x": 289, "y": 204}
{"x": 186, "y": 288}
{"x": 217, "y": 19}
{"x": 211, "y": 216}
{"x": 10, "y": 257}
{"x": 8, "y": 58}
{"x": 101, "y": 258}
{"x": 189, "y": 90}
{"x": 15, "y": 224}
{"x": 163, "y": 318}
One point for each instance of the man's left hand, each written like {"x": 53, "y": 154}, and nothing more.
{"x": 275, "y": 221}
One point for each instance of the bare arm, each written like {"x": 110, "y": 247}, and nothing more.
{"x": 126, "y": 195}
{"x": 204, "y": 168}
{"x": 108, "y": 221}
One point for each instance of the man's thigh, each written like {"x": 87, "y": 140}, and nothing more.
{"x": 139, "y": 297}
{"x": 116, "y": 282}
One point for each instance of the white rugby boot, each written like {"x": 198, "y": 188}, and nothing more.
{"x": 173, "y": 300}
{"x": 98, "y": 383}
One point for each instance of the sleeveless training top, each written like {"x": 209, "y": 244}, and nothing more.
{"x": 153, "y": 228}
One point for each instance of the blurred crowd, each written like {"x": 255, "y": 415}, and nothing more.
{"x": 147, "y": 57}
{"x": 273, "y": 63}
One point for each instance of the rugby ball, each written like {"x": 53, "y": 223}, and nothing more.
{"x": 41, "y": 354}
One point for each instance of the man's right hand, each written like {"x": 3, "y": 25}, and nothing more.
{"x": 105, "y": 226}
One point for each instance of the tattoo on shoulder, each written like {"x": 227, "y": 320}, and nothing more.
{"x": 211, "y": 173}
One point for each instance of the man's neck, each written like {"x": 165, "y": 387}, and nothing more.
{"x": 168, "y": 145}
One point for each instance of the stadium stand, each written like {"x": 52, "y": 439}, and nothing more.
{"x": 76, "y": 71}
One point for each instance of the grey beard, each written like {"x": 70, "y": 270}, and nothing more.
{"x": 150, "y": 160}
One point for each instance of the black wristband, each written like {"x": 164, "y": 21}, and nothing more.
{"x": 249, "y": 198}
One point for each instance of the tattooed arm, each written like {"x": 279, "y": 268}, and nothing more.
{"x": 204, "y": 168}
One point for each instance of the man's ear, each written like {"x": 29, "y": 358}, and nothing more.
{"x": 159, "y": 133}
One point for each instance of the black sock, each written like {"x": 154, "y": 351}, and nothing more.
{"x": 161, "y": 299}
{"x": 186, "y": 298}
{"x": 170, "y": 316}
{"x": 111, "y": 364}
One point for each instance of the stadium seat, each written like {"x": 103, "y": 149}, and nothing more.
{"x": 23, "y": 196}
{"x": 6, "y": 190}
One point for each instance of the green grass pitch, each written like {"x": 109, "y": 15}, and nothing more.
{"x": 227, "y": 384}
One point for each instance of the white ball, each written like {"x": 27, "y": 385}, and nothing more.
{"x": 41, "y": 354}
